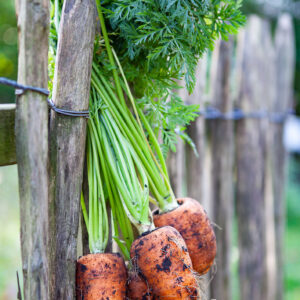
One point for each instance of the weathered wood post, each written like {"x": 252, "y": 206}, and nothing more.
{"x": 32, "y": 146}
{"x": 285, "y": 61}
{"x": 250, "y": 143}
{"x": 67, "y": 140}
{"x": 194, "y": 166}
{"x": 196, "y": 131}
{"x": 185, "y": 168}
{"x": 222, "y": 149}
{"x": 268, "y": 96}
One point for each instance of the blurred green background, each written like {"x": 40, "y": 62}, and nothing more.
{"x": 8, "y": 48}
{"x": 10, "y": 255}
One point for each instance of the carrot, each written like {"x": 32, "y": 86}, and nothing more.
{"x": 163, "y": 260}
{"x": 193, "y": 224}
{"x": 137, "y": 288}
{"x": 101, "y": 276}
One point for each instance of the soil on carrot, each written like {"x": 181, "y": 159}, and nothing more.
{"x": 101, "y": 276}
{"x": 193, "y": 224}
{"x": 161, "y": 260}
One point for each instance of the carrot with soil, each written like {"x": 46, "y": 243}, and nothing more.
{"x": 192, "y": 222}
{"x": 162, "y": 258}
{"x": 137, "y": 287}
{"x": 99, "y": 275}
{"x": 134, "y": 167}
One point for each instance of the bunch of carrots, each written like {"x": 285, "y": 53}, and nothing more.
{"x": 176, "y": 244}
{"x": 126, "y": 171}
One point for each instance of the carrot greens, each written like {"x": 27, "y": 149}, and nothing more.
{"x": 143, "y": 49}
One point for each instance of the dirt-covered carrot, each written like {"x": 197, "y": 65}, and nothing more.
{"x": 155, "y": 169}
{"x": 162, "y": 258}
{"x": 192, "y": 222}
{"x": 138, "y": 288}
{"x": 101, "y": 276}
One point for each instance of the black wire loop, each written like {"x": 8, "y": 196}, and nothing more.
{"x": 21, "y": 89}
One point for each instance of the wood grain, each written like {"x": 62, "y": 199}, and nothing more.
{"x": 269, "y": 91}
{"x": 67, "y": 140}
{"x": 222, "y": 150}
{"x": 196, "y": 130}
{"x": 7, "y": 134}
{"x": 285, "y": 64}
{"x": 32, "y": 146}
{"x": 250, "y": 155}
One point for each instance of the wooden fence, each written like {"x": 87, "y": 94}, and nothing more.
{"x": 240, "y": 169}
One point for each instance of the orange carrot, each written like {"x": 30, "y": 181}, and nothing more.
{"x": 137, "y": 288}
{"x": 101, "y": 276}
{"x": 193, "y": 224}
{"x": 163, "y": 260}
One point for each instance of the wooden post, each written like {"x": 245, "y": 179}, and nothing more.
{"x": 285, "y": 62}
{"x": 67, "y": 140}
{"x": 222, "y": 149}
{"x": 268, "y": 95}
{"x": 7, "y": 134}
{"x": 185, "y": 159}
{"x": 32, "y": 146}
{"x": 250, "y": 163}
{"x": 194, "y": 166}
{"x": 196, "y": 131}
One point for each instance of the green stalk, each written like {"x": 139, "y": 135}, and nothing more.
{"x": 131, "y": 133}
{"x": 148, "y": 127}
{"x": 135, "y": 141}
{"x": 121, "y": 152}
{"x": 156, "y": 185}
{"x": 110, "y": 55}
{"x": 153, "y": 139}
{"x": 84, "y": 211}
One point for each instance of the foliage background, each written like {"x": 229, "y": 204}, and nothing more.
{"x": 10, "y": 256}
{"x": 8, "y": 48}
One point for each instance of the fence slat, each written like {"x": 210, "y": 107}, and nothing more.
{"x": 268, "y": 96}
{"x": 67, "y": 140}
{"x": 285, "y": 63}
{"x": 7, "y": 134}
{"x": 250, "y": 143}
{"x": 222, "y": 148}
{"x": 184, "y": 163}
{"x": 32, "y": 146}
{"x": 194, "y": 166}
{"x": 196, "y": 131}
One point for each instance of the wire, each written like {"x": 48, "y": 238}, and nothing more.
{"x": 21, "y": 89}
